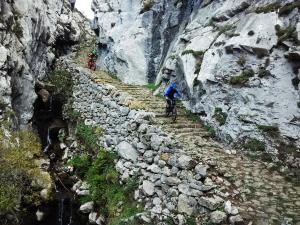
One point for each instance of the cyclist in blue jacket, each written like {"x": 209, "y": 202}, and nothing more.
{"x": 171, "y": 94}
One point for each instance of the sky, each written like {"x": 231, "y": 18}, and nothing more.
{"x": 85, "y": 7}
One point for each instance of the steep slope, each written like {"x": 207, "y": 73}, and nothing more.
{"x": 235, "y": 61}
{"x": 32, "y": 34}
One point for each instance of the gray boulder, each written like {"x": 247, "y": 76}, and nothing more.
{"x": 217, "y": 217}
{"x": 127, "y": 151}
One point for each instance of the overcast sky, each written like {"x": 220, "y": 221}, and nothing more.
{"x": 85, "y": 7}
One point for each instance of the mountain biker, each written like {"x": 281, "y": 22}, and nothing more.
{"x": 171, "y": 93}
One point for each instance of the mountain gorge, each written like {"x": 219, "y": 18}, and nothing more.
{"x": 81, "y": 146}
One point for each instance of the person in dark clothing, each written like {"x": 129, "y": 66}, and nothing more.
{"x": 72, "y": 4}
{"x": 171, "y": 94}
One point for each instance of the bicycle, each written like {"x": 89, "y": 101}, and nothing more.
{"x": 171, "y": 108}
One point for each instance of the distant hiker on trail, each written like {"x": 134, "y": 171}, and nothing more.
{"x": 72, "y": 4}
{"x": 92, "y": 59}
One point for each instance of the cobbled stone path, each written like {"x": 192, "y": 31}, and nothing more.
{"x": 263, "y": 196}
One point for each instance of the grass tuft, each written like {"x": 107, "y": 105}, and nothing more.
{"x": 271, "y": 130}
{"x": 242, "y": 78}
{"x": 263, "y": 72}
{"x": 268, "y": 8}
{"x": 220, "y": 116}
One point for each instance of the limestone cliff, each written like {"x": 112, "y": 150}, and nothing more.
{"x": 32, "y": 34}
{"x": 236, "y": 61}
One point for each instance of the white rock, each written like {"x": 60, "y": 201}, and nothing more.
{"x": 184, "y": 205}
{"x": 93, "y": 217}
{"x": 184, "y": 162}
{"x": 87, "y": 207}
{"x": 127, "y": 151}
{"x": 217, "y": 217}
{"x": 39, "y": 215}
{"x": 148, "y": 187}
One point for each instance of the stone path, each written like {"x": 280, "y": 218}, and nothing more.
{"x": 262, "y": 195}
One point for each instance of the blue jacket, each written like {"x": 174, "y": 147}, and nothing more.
{"x": 172, "y": 93}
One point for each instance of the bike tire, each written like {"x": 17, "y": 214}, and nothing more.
{"x": 174, "y": 113}
{"x": 167, "y": 110}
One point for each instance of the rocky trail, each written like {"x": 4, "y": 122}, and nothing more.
{"x": 261, "y": 194}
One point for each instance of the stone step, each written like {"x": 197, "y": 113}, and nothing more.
{"x": 194, "y": 134}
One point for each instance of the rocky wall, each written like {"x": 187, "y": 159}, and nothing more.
{"x": 32, "y": 34}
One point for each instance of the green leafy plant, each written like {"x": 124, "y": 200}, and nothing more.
{"x": 254, "y": 145}
{"x": 210, "y": 130}
{"x": 88, "y": 135}
{"x": 81, "y": 164}
{"x": 62, "y": 81}
{"x": 105, "y": 189}
{"x": 220, "y": 116}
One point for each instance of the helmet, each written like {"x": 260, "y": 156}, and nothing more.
{"x": 94, "y": 52}
{"x": 174, "y": 85}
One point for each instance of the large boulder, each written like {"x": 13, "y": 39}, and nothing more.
{"x": 127, "y": 151}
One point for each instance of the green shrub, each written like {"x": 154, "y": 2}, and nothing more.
{"x": 242, "y": 78}
{"x": 88, "y": 135}
{"x": 62, "y": 81}
{"x": 254, "y": 145}
{"x": 271, "y": 130}
{"x": 289, "y": 7}
{"x": 288, "y": 33}
{"x": 268, "y": 8}
{"x": 81, "y": 164}
{"x": 105, "y": 189}
{"x": 263, "y": 72}
{"x": 220, "y": 116}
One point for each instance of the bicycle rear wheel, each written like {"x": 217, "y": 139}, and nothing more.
{"x": 174, "y": 113}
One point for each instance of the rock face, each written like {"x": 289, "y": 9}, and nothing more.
{"x": 32, "y": 34}
{"x": 208, "y": 48}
